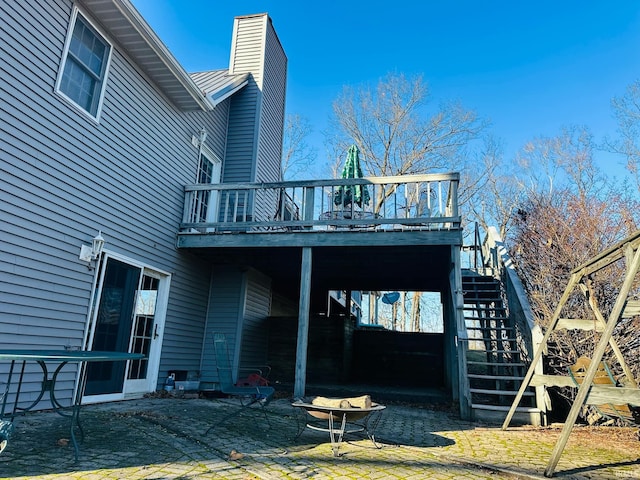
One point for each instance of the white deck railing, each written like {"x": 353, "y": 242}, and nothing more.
{"x": 425, "y": 202}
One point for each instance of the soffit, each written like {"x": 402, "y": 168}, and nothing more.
{"x": 126, "y": 26}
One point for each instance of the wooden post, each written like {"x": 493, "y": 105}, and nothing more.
{"x": 303, "y": 324}
{"x": 460, "y": 339}
{"x": 309, "y": 205}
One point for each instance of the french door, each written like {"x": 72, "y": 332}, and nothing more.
{"x": 206, "y": 201}
{"x": 129, "y": 316}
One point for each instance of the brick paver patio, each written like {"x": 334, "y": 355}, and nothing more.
{"x": 163, "y": 438}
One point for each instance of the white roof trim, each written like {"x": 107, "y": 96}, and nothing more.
{"x": 234, "y": 84}
{"x": 118, "y": 16}
{"x": 154, "y": 42}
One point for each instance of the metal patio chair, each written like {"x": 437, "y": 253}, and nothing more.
{"x": 251, "y": 390}
{"x": 6, "y": 426}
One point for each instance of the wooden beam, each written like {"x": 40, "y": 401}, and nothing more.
{"x": 612, "y": 341}
{"x": 303, "y": 324}
{"x": 610, "y": 255}
{"x": 551, "y": 381}
{"x": 600, "y": 394}
{"x": 631, "y": 309}
{"x": 321, "y": 238}
{"x": 579, "y": 324}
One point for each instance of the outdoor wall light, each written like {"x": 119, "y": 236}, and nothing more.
{"x": 202, "y": 135}
{"x": 93, "y": 252}
{"x": 199, "y": 139}
{"x": 97, "y": 245}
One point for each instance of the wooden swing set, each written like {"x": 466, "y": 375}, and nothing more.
{"x": 596, "y": 385}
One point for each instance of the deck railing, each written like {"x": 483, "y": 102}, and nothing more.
{"x": 400, "y": 202}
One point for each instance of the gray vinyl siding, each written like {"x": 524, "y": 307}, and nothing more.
{"x": 226, "y": 301}
{"x": 241, "y": 137}
{"x": 254, "y": 327}
{"x": 63, "y": 177}
{"x": 239, "y": 303}
{"x": 257, "y": 113}
{"x": 247, "y": 56}
{"x": 269, "y": 156}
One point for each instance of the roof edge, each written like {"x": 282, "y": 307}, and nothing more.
{"x": 237, "y": 84}
{"x": 131, "y": 14}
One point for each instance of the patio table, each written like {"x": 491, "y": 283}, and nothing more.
{"x": 59, "y": 358}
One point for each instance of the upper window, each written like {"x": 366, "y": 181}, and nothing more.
{"x": 84, "y": 71}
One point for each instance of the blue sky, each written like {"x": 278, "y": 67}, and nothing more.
{"x": 528, "y": 67}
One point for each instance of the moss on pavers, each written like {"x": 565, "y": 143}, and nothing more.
{"x": 165, "y": 438}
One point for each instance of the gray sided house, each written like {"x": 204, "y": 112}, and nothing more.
{"x": 100, "y": 131}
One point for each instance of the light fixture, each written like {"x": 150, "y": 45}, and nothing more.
{"x": 202, "y": 135}
{"x": 97, "y": 245}
{"x": 93, "y": 252}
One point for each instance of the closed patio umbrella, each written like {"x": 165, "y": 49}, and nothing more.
{"x": 358, "y": 194}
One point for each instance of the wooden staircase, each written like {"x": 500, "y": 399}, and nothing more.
{"x": 494, "y": 361}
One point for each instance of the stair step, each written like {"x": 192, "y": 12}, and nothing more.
{"x": 499, "y": 392}
{"x": 488, "y": 324}
{"x": 483, "y": 308}
{"x": 479, "y": 337}
{"x": 491, "y": 351}
{"x": 495, "y": 329}
{"x": 504, "y": 408}
{"x": 496, "y": 364}
{"x": 484, "y": 294}
{"x": 487, "y": 309}
{"x": 491, "y": 339}
{"x": 494, "y": 377}
{"x": 469, "y": 297}
{"x": 478, "y": 279}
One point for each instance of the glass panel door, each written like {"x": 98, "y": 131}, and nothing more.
{"x": 130, "y": 315}
{"x": 113, "y": 326}
{"x": 206, "y": 201}
{"x": 143, "y": 326}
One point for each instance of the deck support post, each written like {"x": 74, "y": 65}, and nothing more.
{"x": 303, "y": 324}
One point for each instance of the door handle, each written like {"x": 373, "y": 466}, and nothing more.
{"x": 155, "y": 332}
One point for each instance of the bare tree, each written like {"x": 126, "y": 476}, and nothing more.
{"x": 570, "y": 213}
{"x": 398, "y": 134}
{"x": 626, "y": 110}
{"x": 297, "y": 155}
{"x": 497, "y": 192}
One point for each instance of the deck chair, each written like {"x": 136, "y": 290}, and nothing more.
{"x": 603, "y": 376}
{"x": 253, "y": 390}
{"x": 6, "y": 427}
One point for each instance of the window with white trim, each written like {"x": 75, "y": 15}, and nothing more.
{"x": 85, "y": 62}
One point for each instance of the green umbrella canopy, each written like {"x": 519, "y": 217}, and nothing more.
{"x": 352, "y": 193}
